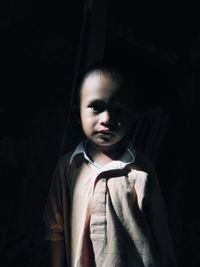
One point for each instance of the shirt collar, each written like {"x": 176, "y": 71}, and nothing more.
{"x": 128, "y": 156}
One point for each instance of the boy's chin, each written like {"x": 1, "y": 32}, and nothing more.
{"x": 106, "y": 146}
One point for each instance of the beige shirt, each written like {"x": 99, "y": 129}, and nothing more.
{"x": 109, "y": 216}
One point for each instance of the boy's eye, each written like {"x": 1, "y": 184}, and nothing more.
{"x": 96, "y": 108}
{"x": 118, "y": 107}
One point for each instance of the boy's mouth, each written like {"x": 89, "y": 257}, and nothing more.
{"x": 104, "y": 132}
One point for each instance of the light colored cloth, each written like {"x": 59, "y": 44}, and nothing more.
{"x": 109, "y": 216}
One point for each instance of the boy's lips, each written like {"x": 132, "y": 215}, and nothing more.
{"x": 104, "y": 132}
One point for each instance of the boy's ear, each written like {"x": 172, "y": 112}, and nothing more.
{"x": 76, "y": 113}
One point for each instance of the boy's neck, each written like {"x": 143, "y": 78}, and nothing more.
{"x": 104, "y": 155}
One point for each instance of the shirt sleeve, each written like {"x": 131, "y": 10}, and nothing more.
{"x": 56, "y": 209}
{"x": 159, "y": 222}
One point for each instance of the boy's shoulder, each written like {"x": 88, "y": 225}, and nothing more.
{"x": 62, "y": 167}
{"x": 66, "y": 156}
{"x": 64, "y": 160}
{"x": 143, "y": 163}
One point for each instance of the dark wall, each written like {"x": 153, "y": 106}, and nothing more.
{"x": 160, "y": 46}
{"x": 39, "y": 42}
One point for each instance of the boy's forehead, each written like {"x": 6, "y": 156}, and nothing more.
{"x": 95, "y": 80}
{"x": 98, "y": 84}
{"x": 123, "y": 97}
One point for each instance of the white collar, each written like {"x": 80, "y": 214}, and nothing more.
{"x": 128, "y": 156}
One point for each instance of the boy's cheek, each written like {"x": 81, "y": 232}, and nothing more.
{"x": 125, "y": 128}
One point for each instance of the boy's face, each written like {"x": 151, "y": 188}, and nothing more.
{"x": 103, "y": 111}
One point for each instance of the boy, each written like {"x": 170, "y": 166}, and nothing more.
{"x": 104, "y": 207}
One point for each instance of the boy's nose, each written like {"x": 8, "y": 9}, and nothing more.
{"x": 105, "y": 118}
